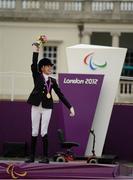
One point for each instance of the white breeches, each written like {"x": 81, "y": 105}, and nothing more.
{"x": 40, "y": 114}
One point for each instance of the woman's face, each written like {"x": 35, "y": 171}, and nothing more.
{"x": 47, "y": 69}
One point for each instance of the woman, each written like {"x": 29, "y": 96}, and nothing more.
{"x": 42, "y": 102}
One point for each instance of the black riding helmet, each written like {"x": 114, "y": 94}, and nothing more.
{"x": 44, "y": 62}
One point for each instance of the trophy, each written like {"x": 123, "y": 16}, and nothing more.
{"x": 41, "y": 40}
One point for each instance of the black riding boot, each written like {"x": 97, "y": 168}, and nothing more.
{"x": 45, "y": 150}
{"x": 33, "y": 149}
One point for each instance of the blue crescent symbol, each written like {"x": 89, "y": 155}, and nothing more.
{"x": 92, "y": 65}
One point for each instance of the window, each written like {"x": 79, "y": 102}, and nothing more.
{"x": 128, "y": 65}
{"x": 51, "y": 53}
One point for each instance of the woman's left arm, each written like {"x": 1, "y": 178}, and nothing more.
{"x": 62, "y": 98}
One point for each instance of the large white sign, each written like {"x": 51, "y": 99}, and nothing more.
{"x": 91, "y": 59}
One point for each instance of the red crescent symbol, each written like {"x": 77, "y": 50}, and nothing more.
{"x": 86, "y": 57}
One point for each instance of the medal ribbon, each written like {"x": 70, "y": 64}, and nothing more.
{"x": 48, "y": 86}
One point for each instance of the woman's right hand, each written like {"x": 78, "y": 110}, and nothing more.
{"x": 41, "y": 40}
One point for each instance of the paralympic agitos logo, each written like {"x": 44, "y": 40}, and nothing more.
{"x": 88, "y": 60}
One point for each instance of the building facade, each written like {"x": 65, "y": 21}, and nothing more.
{"x": 66, "y": 23}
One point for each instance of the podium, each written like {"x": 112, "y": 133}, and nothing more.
{"x": 98, "y": 60}
{"x": 82, "y": 91}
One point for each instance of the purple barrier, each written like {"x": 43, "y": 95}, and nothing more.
{"x": 15, "y": 125}
{"x": 120, "y": 132}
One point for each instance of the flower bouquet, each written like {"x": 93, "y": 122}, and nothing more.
{"x": 41, "y": 40}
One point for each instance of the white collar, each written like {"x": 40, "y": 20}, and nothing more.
{"x": 45, "y": 76}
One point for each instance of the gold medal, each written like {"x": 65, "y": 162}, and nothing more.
{"x": 48, "y": 87}
{"x": 48, "y": 95}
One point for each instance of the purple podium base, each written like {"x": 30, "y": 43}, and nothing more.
{"x": 72, "y": 170}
